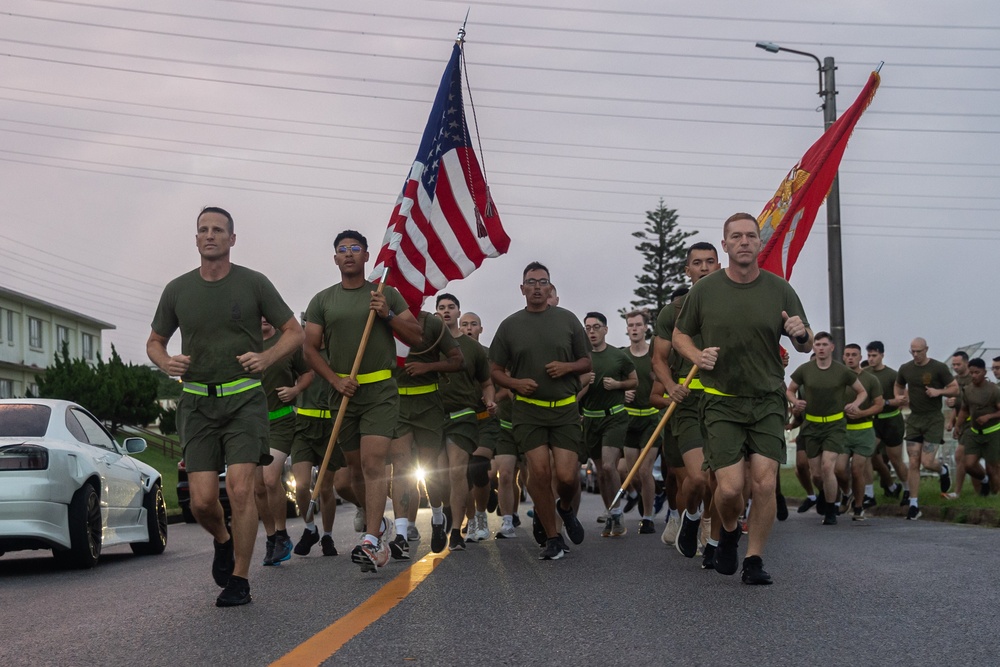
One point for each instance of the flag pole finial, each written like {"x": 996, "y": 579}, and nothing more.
{"x": 461, "y": 31}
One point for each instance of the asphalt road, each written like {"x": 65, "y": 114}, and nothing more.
{"x": 888, "y": 592}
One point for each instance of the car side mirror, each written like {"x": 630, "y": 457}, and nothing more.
{"x": 135, "y": 445}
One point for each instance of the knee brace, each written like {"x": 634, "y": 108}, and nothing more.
{"x": 479, "y": 471}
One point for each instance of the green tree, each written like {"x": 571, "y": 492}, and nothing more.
{"x": 663, "y": 248}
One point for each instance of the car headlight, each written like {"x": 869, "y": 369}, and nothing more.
{"x": 24, "y": 457}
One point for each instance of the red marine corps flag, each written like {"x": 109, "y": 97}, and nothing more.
{"x": 445, "y": 223}
{"x": 786, "y": 219}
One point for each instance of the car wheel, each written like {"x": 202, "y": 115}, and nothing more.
{"x": 156, "y": 524}
{"x": 85, "y": 530}
{"x": 188, "y": 515}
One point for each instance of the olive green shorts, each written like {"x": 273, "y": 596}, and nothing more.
{"x": 489, "y": 432}
{"x": 217, "y": 431}
{"x": 890, "y": 431}
{"x": 685, "y": 423}
{"x": 640, "y": 430}
{"x": 600, "y": 432}
{"x": 312, "y": 435}
{"x": 463, "y": 430}
{"x": 738, "y": 426}
{"x": 558, "y": 427}
{"x": 966, "y": 435}
{"x": 422, "y": 415}
{"x": 927, "y": 428}
{"x": 373, "y": 410}
{"x": 983, "y": 445}
{"x": 829, "y": 437}
{"x": 671, "y": 451}
{"x": 861, "y": 442}
{"x": 506, "y": 445}
{"x": 280, "y": 433}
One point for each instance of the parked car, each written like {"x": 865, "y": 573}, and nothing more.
{"x": 184, "y": 492}
{"x": 68, "y": 486}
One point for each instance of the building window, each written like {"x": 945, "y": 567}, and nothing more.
{"x": 32, "y": 390}
{"x": 3, "y": 325}
{"x": 87, "y": 344}
{"x": 10, "y": 326}
{"x": 35, "y": 333}
{"x": 6, "y": 388}
{"x": 62, "y": 337}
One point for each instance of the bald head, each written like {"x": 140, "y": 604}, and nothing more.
{"x": 471, "y": 325}
{"x": 918, "y": 348}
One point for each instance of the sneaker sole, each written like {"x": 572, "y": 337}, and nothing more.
{"x": 366, "y": 563}
{"x": 234, "y": 603}
{"x": 397, "y": 552}
{"x": 557, "y": 557}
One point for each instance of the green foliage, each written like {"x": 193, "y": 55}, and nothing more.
{"x": 168, "y": 387}
{"x": 168, "y": 421}
{"x": 115, "y": 392}
{"x": 664, "y": 250}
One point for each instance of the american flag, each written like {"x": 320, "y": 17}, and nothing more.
{"x": 445, "y": 223}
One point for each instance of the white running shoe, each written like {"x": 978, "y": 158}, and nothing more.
{"x": 669, "y": 536}
{"x": 482, "y": 527}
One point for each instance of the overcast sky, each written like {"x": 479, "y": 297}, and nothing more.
{"x": 120, "y": 120}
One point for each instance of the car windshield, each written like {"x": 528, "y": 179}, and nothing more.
{"x": 24, "y": 420}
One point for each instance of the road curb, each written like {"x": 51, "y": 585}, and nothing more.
{"x": 977, "y": 516}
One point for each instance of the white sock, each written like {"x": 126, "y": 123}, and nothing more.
{"x": 508, "y": 519}
{"x": 870, "y": 490}
{"x": 327, "y": 533}
{"x": 913, "y": 501}
{"x": 311, "y": 527}
{"x": 437, "y": 515}
{"x": 694, "y": 517}
{"x": 371, "y": 538}
{"x": 812, "y": 498}
{"x": 648, "y": 517}
{"x": 409, "y": 524}
{"x": 401, "y": 527}
{"x": 714, "y": 543}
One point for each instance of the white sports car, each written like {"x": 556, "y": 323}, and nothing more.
{"x": 66, "y": 485}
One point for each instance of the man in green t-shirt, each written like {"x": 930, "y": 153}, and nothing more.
{"x": 996, "y": 368}
{"x": 222, "y": 414}
{"x": 282, "y": 383}
{"x": 741, "y": 314}
{"x": 545, "y": 350}
{"x": 824, "y": 431}
{"x": 335, "y": 319}
{"x": 960, "y": 368}
{"x": 980, "y": 415}
{"x": 602, "y": 401}
{"x": 889, "y": 426}
{"x": 920, "y": 384}
{"x": 861, "y": 433}
{"x": 643, "y": 417}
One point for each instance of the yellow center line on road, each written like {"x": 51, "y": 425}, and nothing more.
{"x": 328, "y": 641}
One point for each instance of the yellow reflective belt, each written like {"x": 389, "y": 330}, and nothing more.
{"x": 603, "y": 413}
{"x": 310, "y": 412}
{"x": 226, "y": 389}
{"x": 987, "y": 431}
{"x": 825, "y": 420}
{"x": 546, "y": 404}
{"x": 715, "y": 392}
{"x": 887, "y": 415}
{"x": 280, "y": 412}
{"x": 641, "y": 412}
{"x": 416, "y": 391}
{"x": 368, "y": 378}
{"x": 860, "y": 426}
{"x": 696, "y": 384}
{"x": 461, "y": 413}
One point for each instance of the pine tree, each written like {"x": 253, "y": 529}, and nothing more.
{"x": 664, "y": 250}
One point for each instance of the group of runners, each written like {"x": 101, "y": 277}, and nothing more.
{"x": 547, "y": 395}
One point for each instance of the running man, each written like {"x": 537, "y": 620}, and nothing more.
{"x": 860, "y": 441}
{"x": 642, "y": 416}
{"x": 741, "y": 314}
{"x": 222, "y": 414}
{"x": 980, "y": 414}
{"x": 335, "y": 319}
{"x": 545, "y": 349}
{"x": 889, "y": 426}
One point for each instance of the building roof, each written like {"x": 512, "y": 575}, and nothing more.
{"x": 30, "y": 300}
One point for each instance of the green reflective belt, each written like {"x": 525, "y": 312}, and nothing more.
{"x": 458, "y": 414}
{"x": 280, "y": 412}
{"x": 368, "y": 378}
{"x": 318, "y": 414}
{"x": 887, "y": 415}
{"x": 824, "y": 420}
{"x": 225, "y": 389}
{"x": 603, "y": 413}
{"x": 506, "y": 424}
{"x": 696, "y": 384}
{"x": 860, "y": 426}
{"x": 987, "y": 431}
{"x": 546, "y": 404}
{"x": 716, "y": 392}
{"x": 641, "y": 412}
{"x": 416, "y": 391}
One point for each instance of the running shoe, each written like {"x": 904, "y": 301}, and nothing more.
{"x": 606, "y": 530}
{"x": 309, "y": 538}
{"x": 370, "y": 555}
{"x": 950, "y": 495}
{"x": 669, "y": 535}
{"x": 493, "y": 501}
{"x": 658, "y": 501}
{"x": 412, "y": 534}
{"x": 753, "y": 572}
{"x": 482, "y": 527}
{"x": 868, "y": 502}
{"x": 517, "y": 520}
{"x": 859, "y": 514}
{"x": 574, "y": 529}
{"x": 601, "y": 518}
{"x": 708, "y": 557}
{"x": 782, "y": 510}
{"x": 945, "y": 478}
{"x": 359, "y": 520}
{"x": 821, "y": 503}
{"x": 845, "y": 503}
{"x": 282, "y": 548}
{"x": 469, "y": 530}
{"x": 831, "y": 516}
{"x": 618, "y": 528}
{"x": 537, "y": 531}
{"x": 984, "y": 487}
{"x": 399, "y": 548}
{"x": 236, "y": 593}
{"x": 631, "y": 501}
{"x": 562, "y": 543}
{"x": 806, "y": 505}
{"x": 439, "y": 537}
{"x": 726, "y": 554}
{"x": 913, "y": 513}
{"x": 551, "y": 550}
{"x": 223, "y": 562}
{"x": 457, "y": 542}
{"x": 646, "y": 527}
{"x": 326, "y": 543}
{"x": 894, "y": 490}
{"x": 268, "y": 551}
{"x": 905, "y": 500}
{"x": 687, "y": 538}
{"x": 507, "y": 531}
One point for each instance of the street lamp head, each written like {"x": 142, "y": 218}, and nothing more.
{"x": 770, "y": 47}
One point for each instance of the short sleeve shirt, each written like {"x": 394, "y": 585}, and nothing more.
{"x": 613, "y": 363}
{"x": 823, "y": 388}
{"x": 916, "y": 379}
{"x": 219, "y": 320}
{"x": 887, "y": 380}
{"x": 874, "y": 389}
{"x": 282, "y": 374}
{"x": 665, "y": 321}
{"x": 464, "y": 389}
{"x": 744, "y": 321}
{"x": 644, "y": 372}
{"x": 436, "y": 343}
{"x": 526, "y": 341}
{"x": 981, "y": 401}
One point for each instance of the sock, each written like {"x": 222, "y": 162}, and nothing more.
{"x": 870, "y": 490}
{"x": 311, "y": 527}
{"x": 913, "y": 501}
{"x": 985, "y": 480}
{"x": 648, "y": 517}
{"x": 616, "y": 511}
{"x": 371, "y": 538}
{"x": 409, "y": 524}
{"x": 694, "y": 517}
{"x": 281, "y": 533}
{"x": 670, "y": 506}
{"x": 508, "y": 519}
{"x": 712, "y": 542}
{"x": 437, "y": 515}
{"x": 906, "y": 487}
{"x": 270, "y": 538}
{"x": 328, "y": 533}
{"x": 812, "y": 498}
{"x": 401, "y": 527}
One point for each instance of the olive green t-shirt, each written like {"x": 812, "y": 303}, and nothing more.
{"x": 282, "y": 374}
{"x": 613, "y": 363}
{"x": 665, "y": 321}
{"x": 644, "y": 372}
{"x": 526, "y": 341}
{"x": 342, "y": 314}
{"x": 744, "y": 321}
{"x": 219, "y": 320}
{"x": 434, "y": 345}
{"x": 981, "y": 401}
{"x": 887, "y": 380}
{"x": 916, "y": 379}
{"x": 464, "y": 389}
{"x": 823, "y": 389}
{"x": 874, "y": 389}
{"x": 963, "y": 381}
{"x": 316, "y": 396}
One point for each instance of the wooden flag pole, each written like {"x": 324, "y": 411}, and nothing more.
{"x": 311, "y": 511}
{"x": 652, "y": 439}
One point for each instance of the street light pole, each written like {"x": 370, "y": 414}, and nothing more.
{"x": 835, "y": 258}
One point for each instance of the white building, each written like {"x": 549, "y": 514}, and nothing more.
{"x": 32, "y": 331}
